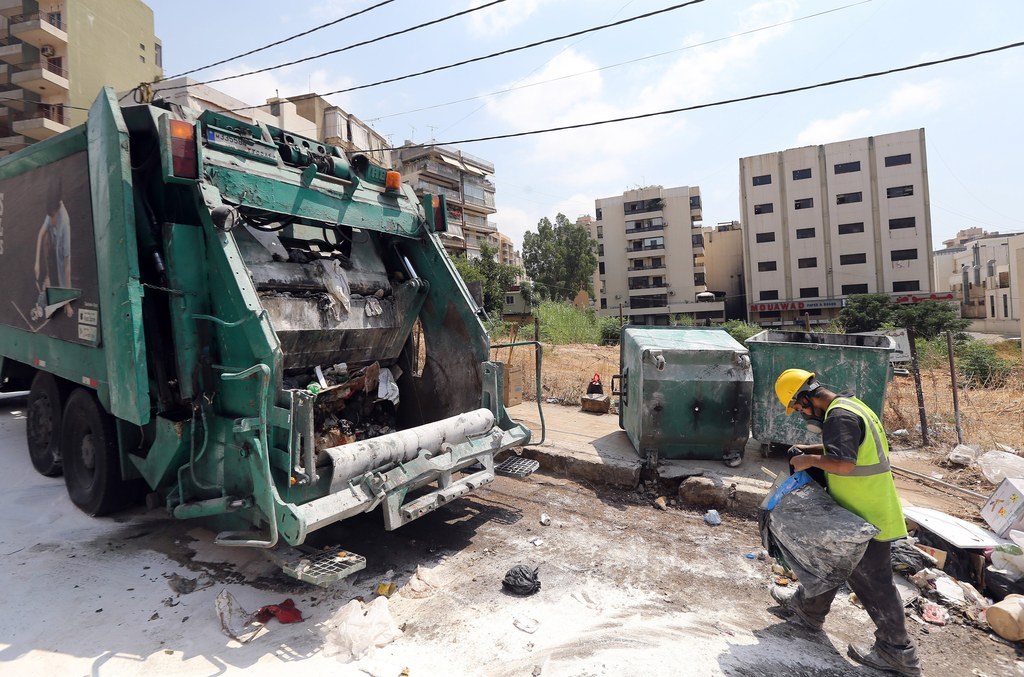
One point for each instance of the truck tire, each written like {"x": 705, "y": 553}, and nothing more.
{"x": 43, "y": 425}
{"x": 88, "y": 444}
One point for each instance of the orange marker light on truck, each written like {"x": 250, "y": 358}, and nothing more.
{"x": 183, "y": 150}
{"x": 393, "y": 182}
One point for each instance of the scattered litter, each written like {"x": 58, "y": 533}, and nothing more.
{"x": 661, "y": 503}
{"x": 908, "y": 591}
{"x": 998, "y": 465}
{"x": 545, "y": 519}
{"x": 385, "y": 589}
{"x": 782, "y": 580}
{"x": 907, "y": 559}
{"x": 855, "y": 600}
{"x": 1009, "y": 558}
{"x": 751, "y": 555}
{"x": 358, "y": 630}
{"x": 1007, "y": 618}
{"x": 285, "y": 612}
{"x": 762, "y": 555}
{"x": 527, "y": 625}
{"x": 955, "y": 531}
{"x": 902, "y": 432}
{"x": 537, "y": 541}
{"x": 184, "y": 586}
{"x": 1004, "y": 510}
{"x": 422, "y": 584}
{"x": 521, "y": 580}
{"x": 155, "y": 616}
{"x": 713, "y": 518}
{"x": 935, "y": 614}
{"x": 963, "y": 454}
{"x": 235, "y": 621}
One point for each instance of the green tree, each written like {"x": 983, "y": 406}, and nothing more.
{"x": 560, "y": 258}
{"x": 866, "y": 312}
{"x": 494, "y": 277}
{"x": 930, "y": 319}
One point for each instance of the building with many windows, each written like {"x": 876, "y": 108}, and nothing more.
{"x": 651, "y": 257}
{"x": 723, "y": 244}
{"x": 55, "y": 55}
{"x": 462, "y": 179}
{"x": 980, "y": 271}
{"x": 824, "y": 222}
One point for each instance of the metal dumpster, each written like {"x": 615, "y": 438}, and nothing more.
{"x": 843, "y": 362}
{"x": 685, "y": 392}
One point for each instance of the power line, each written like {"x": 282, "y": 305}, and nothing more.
{"x": 724, "y": 102}
{"x": 517, "y": 49}
{"x": 621, "y": 63}
{"x": 352, "y": 46}
{"x": 281, "y": 42}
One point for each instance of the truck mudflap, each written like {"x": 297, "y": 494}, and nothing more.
{"x": 455, "y": 454}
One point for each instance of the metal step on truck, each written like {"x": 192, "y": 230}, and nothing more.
{"x": 263, "y": 330}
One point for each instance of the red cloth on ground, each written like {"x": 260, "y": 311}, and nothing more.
{"x": 285, "y": 612}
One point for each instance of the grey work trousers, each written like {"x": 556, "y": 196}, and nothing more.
{"x": 872, "y": 581}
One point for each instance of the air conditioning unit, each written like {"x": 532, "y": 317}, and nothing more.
{"x": 47, "y": 50}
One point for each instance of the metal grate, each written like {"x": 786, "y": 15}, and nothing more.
{"x": 325, "y": 567}
{"x": 516, "y": 466}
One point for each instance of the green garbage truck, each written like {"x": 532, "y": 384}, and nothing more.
{"x": 242, "y": 324}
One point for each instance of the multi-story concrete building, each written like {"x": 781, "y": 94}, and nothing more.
{"x": 186, "y": 92}
{"x": 338, "y": 128}
{"x": 981, "y": 273}
{"x": 824, "y": 222}
{"x": 723, "y": 244}
{"x": 507, "y": 253}
{"x": 462, "y": 179}
{"x": 57, "y": 54}
{"x": 651, "y": 257}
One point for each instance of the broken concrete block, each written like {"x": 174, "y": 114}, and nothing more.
{"x": 598, "y": 404}
{"x": 737, "y": 494}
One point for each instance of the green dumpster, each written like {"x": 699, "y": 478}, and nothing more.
{"x": 843, "y": 363}
{"x": 685, "y": 392}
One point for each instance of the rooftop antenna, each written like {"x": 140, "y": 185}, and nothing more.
{"x": 432, "y": 128}
{"x": 413, "y": 132}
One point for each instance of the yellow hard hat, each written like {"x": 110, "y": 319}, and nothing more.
{"x": 791, "y": 383}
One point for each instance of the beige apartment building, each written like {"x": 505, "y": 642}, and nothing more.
{"x": 56, "y": 55}
{"x": 824, "y": 222}
{"x": 723, "y": 245}
{"x": 651, "y": 256}
{"x": 980, "y": 270}
{"x": 462, "y": 179}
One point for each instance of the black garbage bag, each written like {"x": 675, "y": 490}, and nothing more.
{"x": 815, "y": 537}
{"x": 906, "y": 559}
{"x": 521, "y": 580}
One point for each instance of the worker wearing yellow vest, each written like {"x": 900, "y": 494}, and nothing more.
{"x": 854, "y": 455}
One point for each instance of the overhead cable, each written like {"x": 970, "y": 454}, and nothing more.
{"x": 282, "y": 41}
{"x": 352, "y": 46}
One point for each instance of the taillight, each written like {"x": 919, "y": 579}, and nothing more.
{"x": 183, "y": 150}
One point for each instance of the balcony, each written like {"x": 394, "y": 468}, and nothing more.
{"x": 19, "y": 99}
{"x": 11, "y": 50}
{"x": 39, "y": 29}
{"x": 9, "y": 8}
{"x": 12, "y": 142}
{"x": 643, "y": 270}
{"x": 637, "y": 252}
{"x": 5, "y": 74}
{"x": 44, "y": 122}
{"x": 645, "y": 290}
{"x": 645, "y": 229}
{"x": 438, "y": 169}
{"x": 44, "y": 77}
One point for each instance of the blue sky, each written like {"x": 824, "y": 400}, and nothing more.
{"x": 971, "y": 110}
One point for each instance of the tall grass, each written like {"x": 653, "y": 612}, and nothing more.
{"x": 562, "y": 323}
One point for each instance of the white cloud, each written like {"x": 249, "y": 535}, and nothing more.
{"x": 501, "y": 18}
{"x": 836, "y": 129}
{"x": 916, "y": 98}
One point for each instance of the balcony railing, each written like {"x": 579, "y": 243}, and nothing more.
{"x": 639, "y": 268}
{"x": 645, "y": 248}
{"x": 645, "y": 229}
{"x": 54, "y": 113}
{"x": 44, "y": 65}
{"x": 438, "y": 168}
{"x": 54, "y": 19}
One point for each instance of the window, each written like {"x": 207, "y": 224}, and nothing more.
{"x": 851, "y": 259}
{"x": 1006, "y": 306}
{"x": 695, "y": 202}
{"x": 770, "y": 313}
{"x": 765, "y": 237}
{"x": 509, "y": 300}
{"x": 850, "y": 228}
{"x": 899, "y": 191}
{"x": 896, "y": 160}
{"x": 810, "y": 262}
{"x": 697, "y": 240}
{"x": 600, "y": 250}
{"x": 698, "y": 280}
{"x": 600, "y": 267}
{"x": 763, "y": 180}
{"x": 142, "y": 58}
{"x": 766, "y": 208}
{"x": 801, "y": 174}
{"x": 643, "y": 206}
{"x": 600, "y": 232}
{"x": 905, "y": 222}
{"x": 158, "y": 55}
{"x": 142, "y": 47}
{"x": 992, "y": 306}
{"x": 855, "y": 289}
{"x": 804, "y": 233}
{"x": 655, "y": 262}
{"x": 808, "y": 292}
{"x": 847, "y": 167}
{"x": 849, "y": 198}
{"x": 766, "y": 266}
{"x": 604, "y": 304}
{"x": 903, "y": 254}
{"x": 906, "y": 285}
{"x": 598, "y": 210}
{"x": 769, "y": 295}
{"x": 803, "y": 203}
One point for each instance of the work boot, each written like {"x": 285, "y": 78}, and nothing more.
{"x": 907, "y": 664}
{"x": 788, "y": 600}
